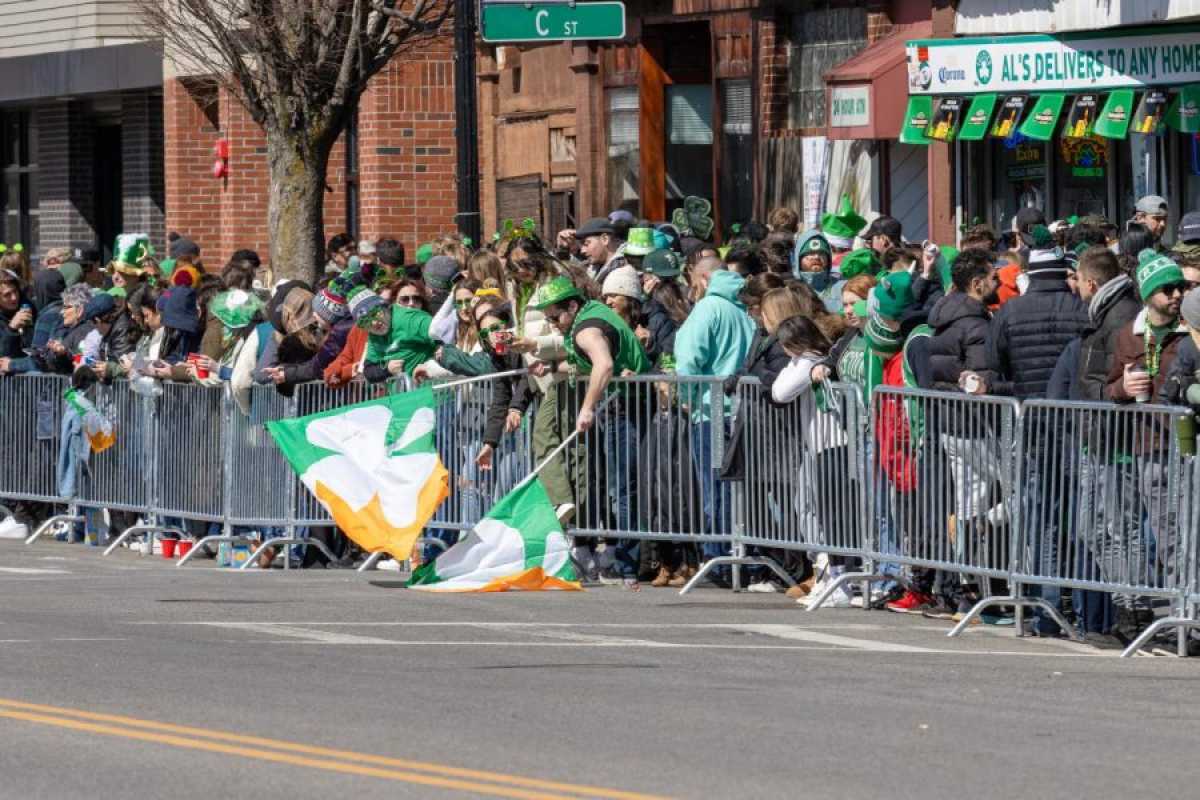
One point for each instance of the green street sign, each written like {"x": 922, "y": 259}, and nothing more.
{"x": 552, "y": 22}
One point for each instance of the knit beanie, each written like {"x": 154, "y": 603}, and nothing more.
{"x": 1155, "y": 271}
{"x": 363, "y": 303}
{"x": 880, "y": 336}
{"x": 892, "y": 297}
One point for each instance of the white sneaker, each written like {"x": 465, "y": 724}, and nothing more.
{"x": 762, "y": 587}
{"x": 11, "y": 529}
{"x": 388, "y": 565}
{"x": 817, "y": 590}
{"x": 839, "y": 599}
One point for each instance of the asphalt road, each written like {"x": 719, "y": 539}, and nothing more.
{"x": 124, "y": 677}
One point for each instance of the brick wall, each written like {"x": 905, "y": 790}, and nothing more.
{"x": 65, "y": 188}
{"x": 406, "y": 161}
{"x": 142, "y": 189}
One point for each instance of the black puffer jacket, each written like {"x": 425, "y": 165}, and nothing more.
{"x": 959, "y": 341}
{"x": 1029, "y": 333}
{"x": 1115, "y": 309}
{"x": 662, "y": 330}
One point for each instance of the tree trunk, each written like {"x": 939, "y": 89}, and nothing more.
{"x": 296, "y": 208}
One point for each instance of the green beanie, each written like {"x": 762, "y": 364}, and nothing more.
{"x": 424, "y": 253}
{"x": 892, "y": 296}
{"x": 1154, "y": 271}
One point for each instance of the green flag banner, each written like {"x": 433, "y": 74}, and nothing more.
{"x": 1043, "y": 117}
{"x": 1113, "y": 122}
{"x": 916, "y": 120}
{"x": 979, "y": 116}
{"x": 1009, "y": 116}
{"x": 1184, "y": 113}
{"x": 1150, "y": 113}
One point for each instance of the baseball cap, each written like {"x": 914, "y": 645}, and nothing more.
{"x": 661, "y": 263}
{"x": 366, "y": 248}
{"x": 1025, "y": 221}
{"x": 1189, "y": 228}
{"x": 1152, "y": 204}
{"x": 1191, "y": 309}
{"x": 594, "y": 227}
{"x": 884, "y": 226}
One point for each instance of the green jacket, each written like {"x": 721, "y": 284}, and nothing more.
{"x": 408, "y": 340}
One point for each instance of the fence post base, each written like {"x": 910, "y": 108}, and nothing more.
{"x": 1180, "y": 623}
{"x": 1019, "y": 602}
{"x": 866, "y": 578}
{"x": 45, "y": 526}
{"x": 736, "y": 561}
{"x": 133, "y": 530}
{"x": 309, "y": 542}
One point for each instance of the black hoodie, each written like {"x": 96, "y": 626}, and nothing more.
{"x": 959, "y": 341}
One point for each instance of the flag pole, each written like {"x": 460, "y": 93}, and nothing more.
{"x": 554, "y": 453}
{"x": 479, "y": 378}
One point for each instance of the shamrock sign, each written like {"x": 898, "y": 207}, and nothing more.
{"x": 694, "y": 218}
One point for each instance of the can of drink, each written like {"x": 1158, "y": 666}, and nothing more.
{"x": 972, "y": 384}
{"x": 1185, "y": 430}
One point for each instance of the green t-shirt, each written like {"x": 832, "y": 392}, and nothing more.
{"x": 407, "y": 340}
{"x": 629, "y": 355}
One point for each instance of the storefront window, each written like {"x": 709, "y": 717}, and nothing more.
{"x": 819, "y": 40}
{"x": 737, "y": 153}
{"x": 1081, "y": 176}
{"x": 1019, "y": 178}
{"x": 18, "y": 191}
{"x": 1191, "y": 167}
{"x": 624, "y": 157}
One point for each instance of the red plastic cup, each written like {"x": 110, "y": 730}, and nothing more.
{"x": 76, "y": 360}
{"x": 168, "y": 548}
{"x": 183, "y": 547}
{"x": 201, "y": 372}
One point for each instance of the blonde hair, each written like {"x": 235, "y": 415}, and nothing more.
{"x": 485, "y": 266}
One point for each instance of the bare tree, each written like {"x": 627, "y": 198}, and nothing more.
{"x": 299, "y": 67}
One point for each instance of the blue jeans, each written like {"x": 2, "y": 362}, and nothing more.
{"x": 1042, "y": 522}
{"x": 715, "y": 499}
{"x": 621, "y": 439}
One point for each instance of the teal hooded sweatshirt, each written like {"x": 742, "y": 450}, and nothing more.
{"x": 714, "y": 339}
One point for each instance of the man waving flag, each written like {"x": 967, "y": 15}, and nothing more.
{"x": 373, "y": 466}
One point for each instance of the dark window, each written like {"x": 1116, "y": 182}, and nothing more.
{"x": 19, "y": 189}
{"x": 819, "y": 40}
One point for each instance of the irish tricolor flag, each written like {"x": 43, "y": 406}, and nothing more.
{"x": 519, "y": 545}
{"x": 373, "y": 466}
{"x": 97, "y": 428}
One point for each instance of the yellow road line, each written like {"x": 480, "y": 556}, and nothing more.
{"x": 54, "y": 715}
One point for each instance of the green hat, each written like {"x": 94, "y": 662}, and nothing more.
{"x": 662, "y": 263}
{"x": 841, "y": 228}
{"x": 556, "y": 291}
{"x": 364, "y": 304}
{"x": 945, "y": 260}
{"x": 235, "y": 308}
{"x": 859, "y": 262}
{"x": 129, "y": 251}
{"x": 117, "y": 292}
{"x": 892, "y": 296}
{"x": 424, "y": 253}
{"x": 1154, "y": 271}
{"x": 813, "y": 241}
{"x": 880, "y": 336}
{"x": 640, "y": 242}
{"x": 71, "y": 272}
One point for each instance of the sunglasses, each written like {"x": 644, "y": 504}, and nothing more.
{"x": 1174, "y": 288}
{"x": 488, "y": 331}
{"x": 463, "y": 303}
{"x": 409, "y": 300}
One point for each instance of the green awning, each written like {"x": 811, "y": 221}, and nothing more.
{"x": 916, "y": 119}
{"x": 1081, "y": 122}
{"x": 946, "y": 115}
{"x": 1009, "y": 116}
{"x": 1043, "y": 117}
{"x": 1113, "y": 122}
{"x": 1184, "y": 113}
{"x": 979, "y": 116}
{"x": 1150, "y": 112}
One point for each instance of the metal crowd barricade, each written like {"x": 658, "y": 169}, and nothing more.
{"x": 1108, "y": 504}
{"x": 649, "y": 467}
{"x": 30, "y": 427}
{"x": 801, "y": 463}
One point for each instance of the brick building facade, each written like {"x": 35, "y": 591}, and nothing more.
{"x": 391, "y": 174}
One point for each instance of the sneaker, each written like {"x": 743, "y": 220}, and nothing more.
{"x": 911, "y": 603}
{"x": 817, "y": 589}
{"x": 609, "y": 577}
{"x": 388, "y": 565}
{"x": 631, "y": 584}
{"x": 762, "y": 587}
{"x": 999, "y": 620}
{"x": 839, "y": 599}
{"x": 11, "y": 529}
{"x": 681, "y": 577}
{"x": 879, "y": 598}
{"x": 959, "y": 616}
